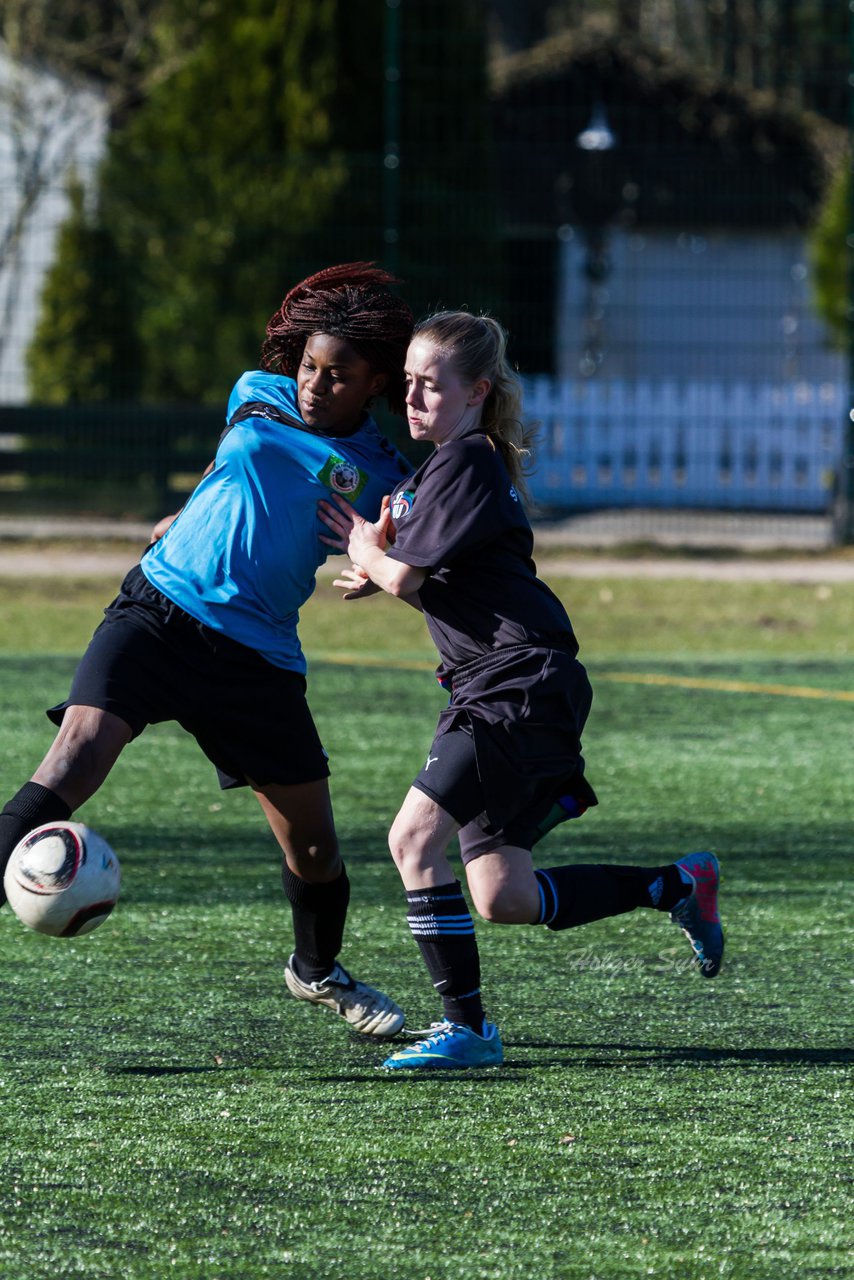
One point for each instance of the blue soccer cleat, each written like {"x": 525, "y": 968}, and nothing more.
{"x": 450, "y": 1046}
{"x": 698, "y": 916}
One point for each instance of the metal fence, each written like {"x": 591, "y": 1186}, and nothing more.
{"x": 113, "y": 460}
{"x": 642, "y": 227}
{"x": 767, "y": 447}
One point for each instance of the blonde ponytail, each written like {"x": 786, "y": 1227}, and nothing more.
{"x": 477, "y": 347}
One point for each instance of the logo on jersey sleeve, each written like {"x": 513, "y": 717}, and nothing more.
{"x": 343, "y": 477}
{"x": 402, "y": 504}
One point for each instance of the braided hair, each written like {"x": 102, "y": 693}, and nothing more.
{"x": 351, "y": 301}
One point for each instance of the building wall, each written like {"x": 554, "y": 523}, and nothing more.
{"x": 727, "y": 305}
{"x": 47, "y": 130}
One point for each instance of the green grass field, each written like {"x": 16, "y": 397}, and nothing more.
{"x": 168, "y": 1112}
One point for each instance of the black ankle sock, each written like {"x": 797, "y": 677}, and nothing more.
{"x": 319, "y": 914}
{"x": 667, "y": 888}
{"x": 32, "y": 806}
{"x": 441, "y": 924}
{"x": 576, "y": 895}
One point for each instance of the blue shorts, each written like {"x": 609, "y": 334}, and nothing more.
{"x": 149, "y": 662}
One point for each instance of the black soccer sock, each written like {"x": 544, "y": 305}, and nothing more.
{"x": 32, "y": 806}
{"x": 319, "y": 913}
{"x": 441, "y": 924}
{"x": 571, "y": 896}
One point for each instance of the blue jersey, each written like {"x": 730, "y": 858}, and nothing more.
{"x": 243, "y": 553}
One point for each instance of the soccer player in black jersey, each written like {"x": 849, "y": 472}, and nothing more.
{"x": 505, "y": 765}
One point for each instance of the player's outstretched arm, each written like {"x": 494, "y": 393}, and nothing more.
{"x": 357, "y": 586}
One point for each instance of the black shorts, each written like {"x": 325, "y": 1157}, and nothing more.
{"x": 451, "y": 777}
{"x": 149, "y": 662}
{"x": 506, "y": 760}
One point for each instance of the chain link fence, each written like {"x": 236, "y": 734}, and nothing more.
{"x": 637, "y": 211}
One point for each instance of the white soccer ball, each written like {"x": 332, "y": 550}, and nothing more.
{"x": 62, "y": 879}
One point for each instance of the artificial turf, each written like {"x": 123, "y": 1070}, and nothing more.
{"x": 168, "y": 1111}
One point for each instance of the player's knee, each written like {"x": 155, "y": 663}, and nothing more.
{"x": 410, "y": 848}
{"x": 398, "y": 843}
{"x": 315, "y": 860}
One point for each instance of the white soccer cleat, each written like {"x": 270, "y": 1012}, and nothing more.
{"x": 363, "y": 1008}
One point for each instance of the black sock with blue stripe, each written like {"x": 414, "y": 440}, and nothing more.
{"x": 441, "y": 924}
{"x": 571, "y": 896}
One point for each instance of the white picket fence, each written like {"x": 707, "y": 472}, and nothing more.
{"x": 760, "y": 446}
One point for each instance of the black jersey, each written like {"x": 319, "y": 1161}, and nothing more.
{"x": 460, "y": 518}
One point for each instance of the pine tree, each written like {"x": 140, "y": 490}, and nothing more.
{"x": 218, "y": 185}
{"x": 832, "y": 260}
{"x": 84, "y": 347}
{"x": 260, "y": 158}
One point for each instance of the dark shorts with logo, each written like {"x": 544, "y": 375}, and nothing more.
{"x": 149, "y": 662}
{"x": 506, "y": 760}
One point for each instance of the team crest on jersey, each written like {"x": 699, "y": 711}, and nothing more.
{"x": 402, "y": 504}
{"x": 343, "y": 477}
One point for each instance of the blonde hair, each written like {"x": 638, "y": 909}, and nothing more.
{"x": 477, "y": 348}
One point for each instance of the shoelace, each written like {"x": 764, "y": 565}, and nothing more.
{"x": 436, "y": 1032}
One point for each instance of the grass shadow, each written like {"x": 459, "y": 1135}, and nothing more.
{"x": 670, "y": 1055}
{"x": 152, "y": 1071}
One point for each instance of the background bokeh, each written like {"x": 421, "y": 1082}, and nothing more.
{"x": 654, "y": 195}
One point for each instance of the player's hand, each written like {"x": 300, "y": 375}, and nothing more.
{"x": 385, "y": 521}
{"x": 355, "y": 584}
{"x": 339, "y": 522}
{"x": 348, "y": 531}
{"x": 162, "y": 525}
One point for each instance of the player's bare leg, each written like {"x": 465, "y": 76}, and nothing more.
{"x": 83, "y": 752}
{"x": 503, "y": 886}
{"x": 88, "y": 744}
{"x": 301, "y": 819}
{"x": 419, "y": 836}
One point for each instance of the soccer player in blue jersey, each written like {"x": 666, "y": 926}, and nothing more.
{"x": 204, "y": 629}
{"x": 505, "y": 765}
